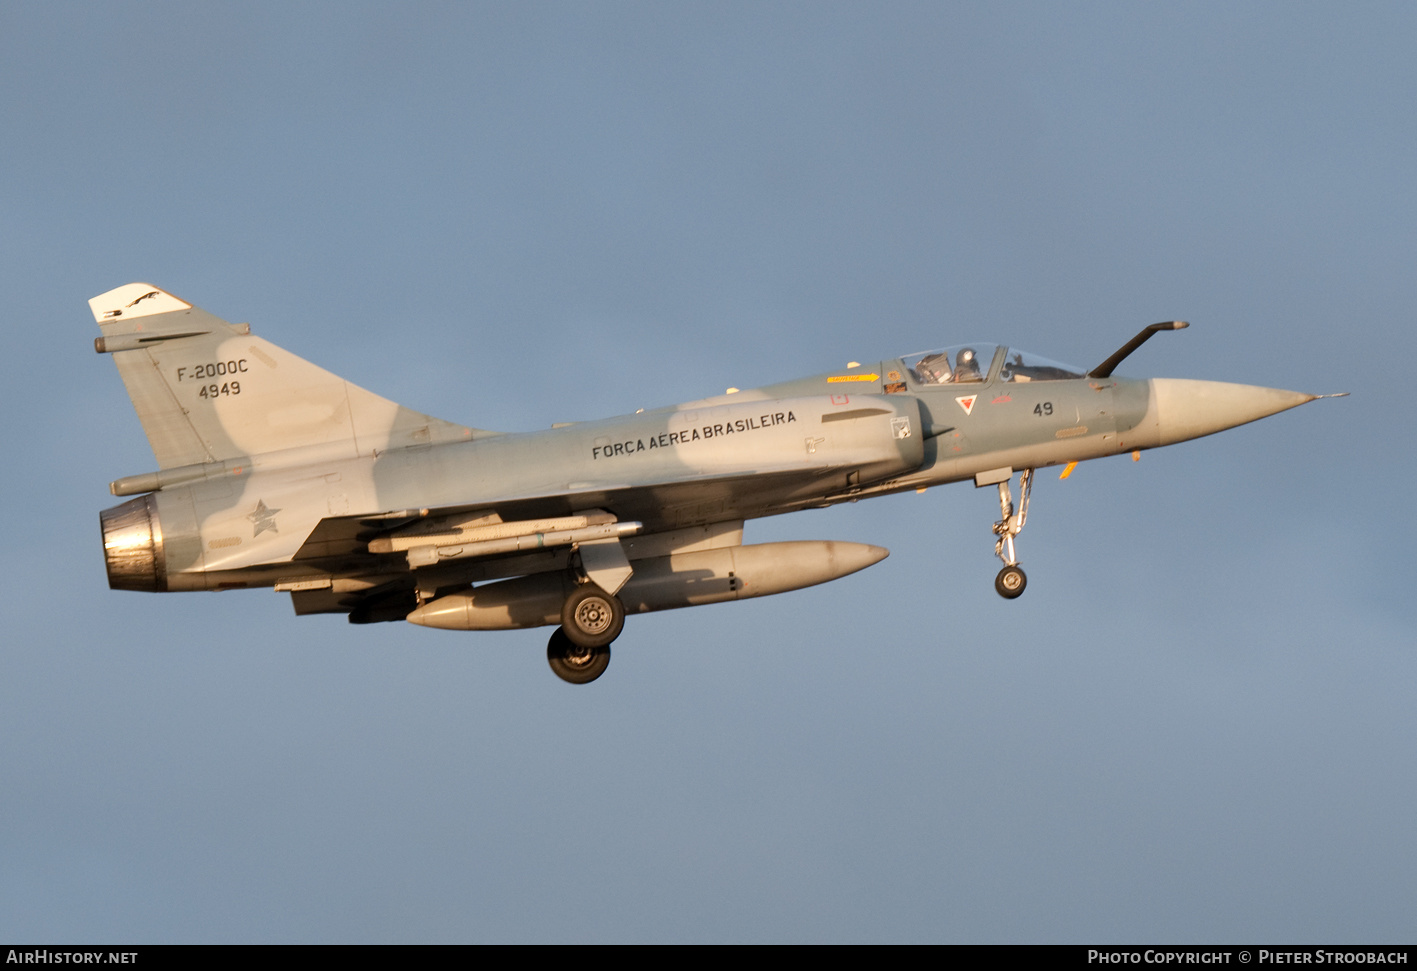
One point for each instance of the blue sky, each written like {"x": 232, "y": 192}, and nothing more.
{"x": 1196, "y": 725}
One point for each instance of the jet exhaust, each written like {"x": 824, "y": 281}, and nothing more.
{"x": 132, "y": 546}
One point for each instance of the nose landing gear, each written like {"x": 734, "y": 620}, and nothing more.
{"x": 1011, "y": 580}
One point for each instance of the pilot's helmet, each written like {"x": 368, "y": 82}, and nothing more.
{"x": 966, "y": 365}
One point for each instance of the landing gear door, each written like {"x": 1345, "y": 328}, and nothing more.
{"x": 605, "y": 564}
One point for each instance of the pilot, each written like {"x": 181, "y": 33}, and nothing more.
{"x": 966, "y": 366}
{"x": 933, "y": 368}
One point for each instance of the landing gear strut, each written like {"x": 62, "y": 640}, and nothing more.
{"x": 1011, "y": 579}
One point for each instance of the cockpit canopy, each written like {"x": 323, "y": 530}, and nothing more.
{"x": 975, "y": 363}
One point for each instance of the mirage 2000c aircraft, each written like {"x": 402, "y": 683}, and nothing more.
{"x": 272, "y": 472}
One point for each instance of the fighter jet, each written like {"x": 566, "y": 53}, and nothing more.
{"x": 272, "y": 472}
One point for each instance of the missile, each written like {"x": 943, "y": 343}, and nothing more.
{"x": 428, "y": 555}
{"x": 658, "y": 583}
{"x": 484, "y": 528}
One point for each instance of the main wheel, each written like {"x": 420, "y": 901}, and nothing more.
{"x": 578, "y": 665}
{"x": 591, "y": 617}
{"x": 1010, "y": 582}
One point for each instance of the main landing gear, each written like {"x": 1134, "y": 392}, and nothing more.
{"x": 579, "y": 650}
{"x": 570, "y": 662}
{"x": 1011, "y": 580}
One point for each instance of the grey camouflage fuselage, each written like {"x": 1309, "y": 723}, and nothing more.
{"x": 273, "y": 472}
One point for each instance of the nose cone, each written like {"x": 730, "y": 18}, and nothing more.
{"x": 1189, "y": 409}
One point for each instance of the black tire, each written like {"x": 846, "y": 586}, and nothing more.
{"x": 1010, "y": 582}
{"x": 591, "y": 617}
{"x": 578, "y": 665}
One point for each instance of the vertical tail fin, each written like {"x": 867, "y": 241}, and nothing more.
{"x": 208, "y": 391}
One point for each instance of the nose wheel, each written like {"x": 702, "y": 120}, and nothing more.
{"x": 1011, "y": 580}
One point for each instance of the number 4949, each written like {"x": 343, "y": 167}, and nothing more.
{"x": 234, "y": 387}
